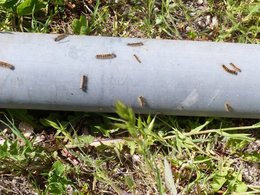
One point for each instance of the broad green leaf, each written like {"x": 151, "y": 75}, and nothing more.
{"x": 83, "y": 25}
{"x": 219, "y": 178}
{"x": 237, "y": 176}
{"x": 4, "y": 149}
{"x": 139, "y": 123}
{"x": 252, "y": 157}
{"x": 55, "y": 188}
{"x": 223, "y": 171}
{"x": 125, "y": 112}
{"x": 9, "y": 3}
{"x": 76, "y": 26}
{"x": 131, "y": 114}
{"x": 80, "y": 26}
{"x": 133, "y": 131}
{"x": 148, "y": 120}
{"x": 240, "y": 187}
{"x": 83, "y": 30}
{"x": 149, "y": 129}
{"x": 58, "y": 168}
{"x": 130, "y": 120}
{"x": 159, "y": 20}
{"x": 132, "y": 146}
{"x": 121, "y": 110}
{"x": 254, "y": 9}
{"x": 218, "y": 182}
{"x": 129, "y": 181}
{"x": 28, "y": 6}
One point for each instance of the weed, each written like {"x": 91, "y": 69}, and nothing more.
{"x": 57, "y": 180}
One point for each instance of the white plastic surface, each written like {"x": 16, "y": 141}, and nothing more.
{"x": 174, "y": 77}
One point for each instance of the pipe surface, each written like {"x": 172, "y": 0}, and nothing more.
{"x": 171, "y": 77}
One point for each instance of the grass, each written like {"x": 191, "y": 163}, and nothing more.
{"x": 87, "y": 153}
{"x": 230, "y": 20}
{"x": 130, "y": 153}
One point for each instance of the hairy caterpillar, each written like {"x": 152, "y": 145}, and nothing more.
{"x": 6, "y": 65}
{"x": 141, "y": 101}
{"x": 235, "y": 67}
{"x": 137, "y": 44}
{"x": 106, "y": 56}
{"x": 229, "y": 70}
{"x": 137, "y": 58}
{"x": 60, "y": 37}
{"x": 228, "y": 107}
{"x": 83, "y": 83}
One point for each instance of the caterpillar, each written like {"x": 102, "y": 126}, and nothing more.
{"x": 229, "y": 70}
{"x": 235, "y": 67}
{"x": 228, "y": 108}
{"x": 137, "y": 44}
{"x": 141, "y": 101}
{"x": 83, "y": 83}
{"x": 60, "y": 37}
{"x": 106, "y": 56}
{"x": 7, "y": 65}
{"x": 137, "y": 58}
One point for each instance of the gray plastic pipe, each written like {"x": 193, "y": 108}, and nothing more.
{"x": 173, "y": 77}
